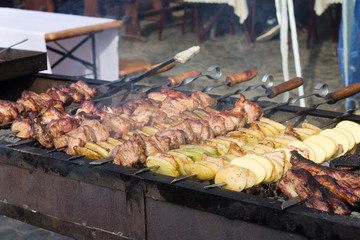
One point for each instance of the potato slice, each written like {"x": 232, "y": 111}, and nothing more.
{"x": 150, "y": 130}
{"x": 281, "y": 158}
{"x": 302, "y": 148}
{"x": 216, "y": 160}
{"x": 352, "y": 127}
{"x": 269, "y": 166}
{"x": 210, "y": 165}
{"x": 258, "y": 149}
{"x": 280, "y": 127}
{"x": 326, "y": 143}
{"x": 202, "y": 172}
{"x": 252, "y": 165}
{"x": 304, "y": 132}
{"x": 349, "y": 135}
{"x": 96, "y": 148}
{"x": 279, "y": 170}
{"x": 279, "y": 142}
{"x": 90, "y": 154}
{"x": 339, "y": 138}
{"x": 234, "y": 177}
{"x": 238, "y": 140}
{"x": 320, "y": 153}
{"x": 311, "y": 126}
{"x": 165, "y": 167}
{"x": 250, "y": 179}
{"x": 261, "y": 126}
{"x": 181, "y": 159}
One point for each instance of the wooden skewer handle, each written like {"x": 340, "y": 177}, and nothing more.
{"x": 343, "y": 93}
{"x": 284, "y": 87}
{"x": 173, "y": 81}
{"x": 240, "y": 77}
{"x": 164, "y": 69}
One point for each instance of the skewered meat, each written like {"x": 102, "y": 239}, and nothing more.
{"x": 91, "y": 91}
{"x": 8, "y": 112}
{"x": 83, "y": 132}
{"x": 42, "y": 135}
{"x": 100, "y": 131}
{"x": 51, "y": 114}
{"x": 51, "y": 103}
{"x": 29, "y": 104}
{"x": 155, "y": 144}
{"x": 201, "y": 129}
{"x": 205, "y": 99}
{"x": 253, "y": 110}
{"x": 148, "y": 115}
{"x": 301, "y": 183}
{"x": 177, "y": 137}
{"x": 23, "y": 126}
{"x": 62, "y": 96}
{"x": 217, "y": 124}
{"x": 117, "y": 125}
{"x": 186, "y": 128}
{"x": 61, "y": 126}
{"x": 129, "y": 153}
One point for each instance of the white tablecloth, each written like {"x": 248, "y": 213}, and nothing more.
{"x": 321, "y": 5}
{"x": 240, "y": 6}
{"x": 16, "y": 25}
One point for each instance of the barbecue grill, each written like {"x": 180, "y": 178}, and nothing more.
{"x": 110, "y": 202}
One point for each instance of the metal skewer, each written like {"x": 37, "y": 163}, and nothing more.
{"x": 75, "y": 157}
{"x": 9, "y": 133}
{"x": 21, "y": 143}
{"x": 215, "y": 185}
{"x": 178, "y": 179}
{"x": 55, "y": 149}
{"x": 330, "y": 98}
{"x": 155, "y": 167}
{"x": 102, "y": 161}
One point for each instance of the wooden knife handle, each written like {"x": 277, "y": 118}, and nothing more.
{"x": 343, "y": 93}
{"x": 240, "y": 77}
{"x": 173, "y": 81}
{"x": 284, "y": 87}
{"x": 164, "y": 69}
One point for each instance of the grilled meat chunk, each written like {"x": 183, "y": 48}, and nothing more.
{"x": 349, "y": 162}
{"x": 51, "y": 114}
{"x": 51, "y": 103}
{"x": 344, "y": 194}
{"x": 59, "y": 127}
{"x": 82, "y": 91}
{"x": 59, "y": 95}
{"x": 129, "y": 153}
{"x": 148, "y": 115}
{"x": 302, "y": 183}
{"x": 8, "y": 112}
{"x": 217, "y": 124}
{"x": 83, "y": 132}
{"x": 91, "y": 91}
{"x": 29, "y": 104}
{"x": 201, "y": 129}
{"x": 177, "y": 137}
{"x": 205, "y": 99}
{"x": 23, "y": 125}
{"x": 252, "y": 110}
{"x": 117, "y": 125}
{"x": 100, "y": 130}
{"x": 42, "y": 135}
{"x": 186, "y": 128}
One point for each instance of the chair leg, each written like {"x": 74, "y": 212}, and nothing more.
{"x": 162, "y": 18}
{"x": 184, "y": 19}
{"x": 251, "y": 43}
{"x": 253, "y": 20}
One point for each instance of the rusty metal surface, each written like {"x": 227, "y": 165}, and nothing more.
{"x": 15, "y": 63}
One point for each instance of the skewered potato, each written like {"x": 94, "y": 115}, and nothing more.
{"x": 234, "y": 176}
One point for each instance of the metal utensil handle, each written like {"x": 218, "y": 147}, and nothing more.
{"x": 240, "y": 77}
{"x": 343, "y": 93}
{"x": 284, "y": 87}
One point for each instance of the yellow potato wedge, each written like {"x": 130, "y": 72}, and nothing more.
{"x": 216, "y": 160}
{"x": 150, "y": 130}
{"x": 269, "y": 166}
{"x": 253, "y": 165}
{"x": 329, "y": 145}
{"x": 181, "y": 159}
{"x": 192, "y": 153}
{"x": 165, "y": 167}
{"x": 261, "y": 126}
{"x": 210, "y": 165}
{"x": 339, "y": 138}
{"x": 250, "y": 179}
{"x": 202, "y": 172}
{"x": 280, "y": 157}
{"x": 96, "y": 148}
{"x": 104, "y": 144}
{"x": 209, "y": 150}
{"x": 238, "y": 140}
{"x": 234, "y": 177}
{"x": 311, "y": 126}
{"x": 114, "y": 141}
{"x": 280, "y": 127}
{"x": 352, "y": 127}
{"x": 90, "y": 154}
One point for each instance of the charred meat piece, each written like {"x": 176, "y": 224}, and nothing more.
{"x": 61, "y": 141}
{"x": 302, "y": 183}
{"x": 29, "y": 104}
{"x": 289, "y": 130}
{"x": 73, "y": 142}
{"x": 252, "y": 110}
{"x": 91, "y": 91}
{"x": 59, "y": 95}
{"x": 345, "y": 195}
{"x": 8, "y": 111}
{"x": 76, "y": 95}
{"x": 205, "y": 99}
{"x": 80, "y": 90}
{"x": 217, "y": 124}
{"x": 62, "y": 126}
{"x": 23, "y": 125}
{"x": 54, "y": 103}
{"x": 42, "y": 135}
{"x": 155, "y": 144}
{"x": 51, "y": 114}
{"x": 186, "y": 128}
{"x": 83, "y": 132}
{"x": 348, "y": 163}
{"x": 100, "y": 131}
{"x": 36, "y": 97}
{"x": 129, "y": 153}
{"x": 17, "y": 106}
{"x": 148, "y": 115}
{"x": 88, "y": 110}
{"x": 177, "y": 137}
{"x": 201, "y": 129}
{"x": 117, "y": 125}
